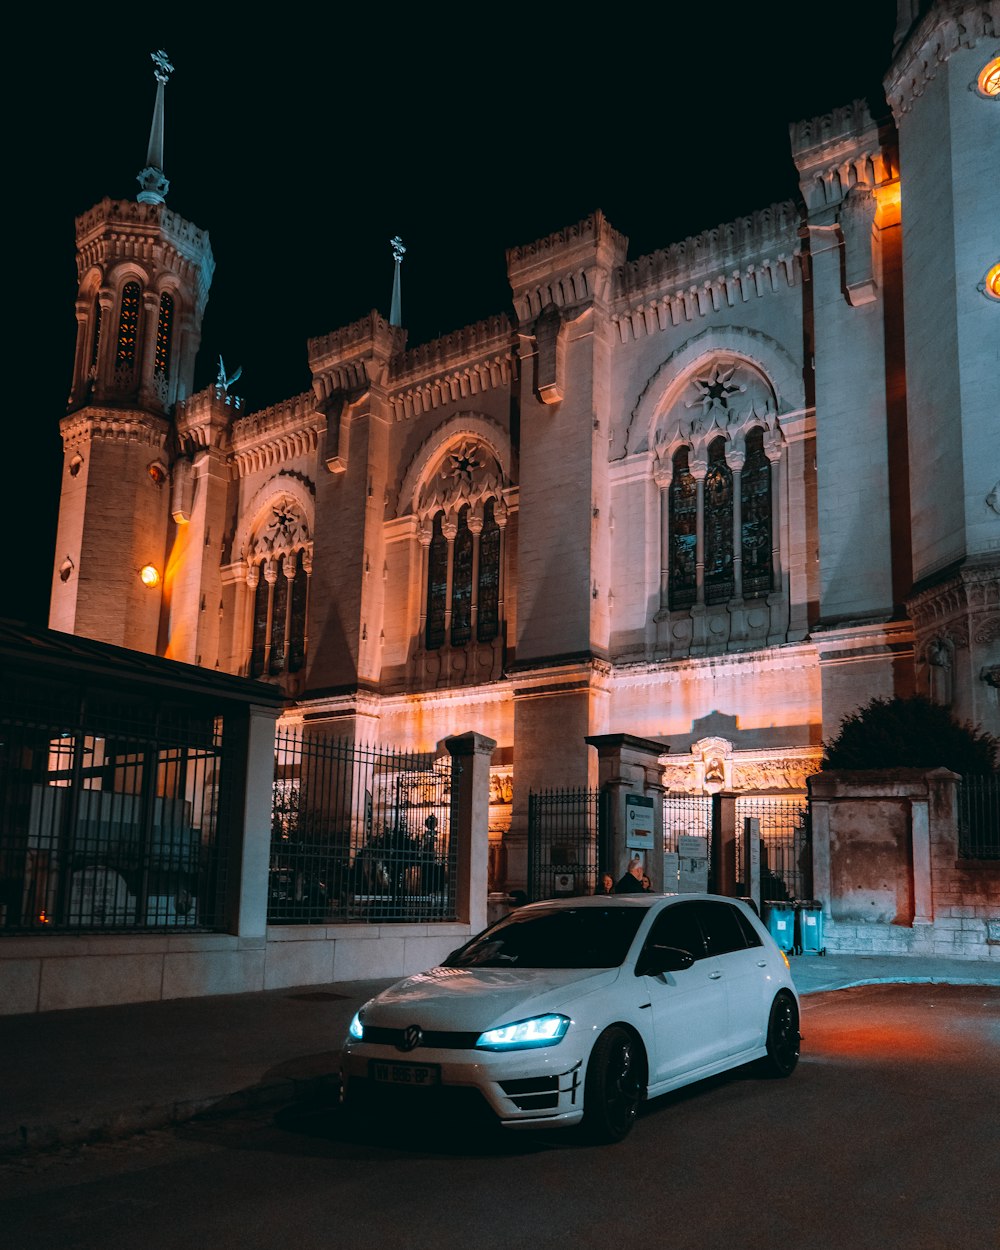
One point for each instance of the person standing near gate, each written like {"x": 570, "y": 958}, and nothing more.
{"x": 607, "y": 884}
{"x": 631, "y": 880}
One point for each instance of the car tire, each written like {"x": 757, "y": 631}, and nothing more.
{"x": 614, "y": 1087}
{"x": 783, "y": 1037}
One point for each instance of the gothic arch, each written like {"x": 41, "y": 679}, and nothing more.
{"x": 418, "y": 493}
{"x": 759, "y": 351}
{"x": 256, "y": 512}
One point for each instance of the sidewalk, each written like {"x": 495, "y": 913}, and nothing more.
{"x": 68, "y": 1076}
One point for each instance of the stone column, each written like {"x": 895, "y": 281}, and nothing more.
{"x": 470, "y": 754}
{"x": 630, "y": 765}
{"x": 248, "y": 736}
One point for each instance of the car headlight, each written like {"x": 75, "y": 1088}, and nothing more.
{"x": 524, "y": 1034}
{"x": 356, "y": 1029}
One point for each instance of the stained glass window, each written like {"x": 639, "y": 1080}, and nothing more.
{"x": 128, "y": 327}
{"x": 488, "y": 617}
{"x": 756, "y": 515}
{"x": 683, "y": 532}
{"x": 259, "y": 625}
{"x": 461, "y": 582}
{"x": 297, "y": 650}
{"x": 279, "y": 610}
{"x": 718, "y": 525}
{"x": 437, "y": 584}
{"x": 95, "y": 345}
{"x": 164, "y": 335}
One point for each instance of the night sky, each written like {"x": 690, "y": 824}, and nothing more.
{"x": 303, "y": 144}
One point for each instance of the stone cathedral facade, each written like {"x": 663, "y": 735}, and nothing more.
{"x": 716, "y": 497}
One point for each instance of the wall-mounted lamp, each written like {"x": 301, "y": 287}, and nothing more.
{"x": 149, "y": 575}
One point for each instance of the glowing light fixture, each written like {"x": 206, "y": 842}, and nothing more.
{"x": 988, "y": 81}
{"x": 149, "y": 575}
{"x": 991, "y": 283}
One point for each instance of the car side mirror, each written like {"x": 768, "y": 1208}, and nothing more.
{"x": 655, "y": 960}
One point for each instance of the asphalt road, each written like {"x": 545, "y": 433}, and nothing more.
{"x": 887, "y": 1135}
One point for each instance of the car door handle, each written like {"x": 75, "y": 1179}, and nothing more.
{"x": 714, "y": 976}
{"x": 761, "y": 963}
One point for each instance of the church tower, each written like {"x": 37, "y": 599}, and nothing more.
{"x": 944, "y": 90}
{"x": 143, "y": 280}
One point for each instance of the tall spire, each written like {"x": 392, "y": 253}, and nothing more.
{"x": 152, "y": 179}
{"x": 398, "y": 252}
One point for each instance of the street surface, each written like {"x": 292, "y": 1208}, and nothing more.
{"x": 887, "y": 1135}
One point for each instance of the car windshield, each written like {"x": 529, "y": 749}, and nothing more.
{"x": 584, "y": 937}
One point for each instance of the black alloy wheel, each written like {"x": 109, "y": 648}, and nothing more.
{"x": 614, "y": 1087}
{"x": 783, "y": 1037}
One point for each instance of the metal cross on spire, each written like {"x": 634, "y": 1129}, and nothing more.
{"x": 398, "y": 252}
{"x": 152, "y": 179}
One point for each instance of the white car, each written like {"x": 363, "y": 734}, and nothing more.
{"x": 574, "y": 1010}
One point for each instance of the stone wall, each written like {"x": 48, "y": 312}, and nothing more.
{"x": 887, "y": 871}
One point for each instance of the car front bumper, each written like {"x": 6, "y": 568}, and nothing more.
{"x": 523, "y": 1089}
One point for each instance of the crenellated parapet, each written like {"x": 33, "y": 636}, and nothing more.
{"x": 571, "y": 267}
{"x": 720, "y": 268}
{"x": 355, "y": 356}
{"x": 275, "y": 435}
{"x": 947, "y": 26}
{"x": 458, "y": 366}
{"x": 840, "y": 150}
{"x": 149, "y": 234}
{"x": 94, "y": 424}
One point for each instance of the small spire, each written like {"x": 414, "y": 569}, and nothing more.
{"x": 398, "y": 252}
{"x": 152, "y": 179}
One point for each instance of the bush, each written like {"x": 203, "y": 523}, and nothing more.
{"x": 909, "y": 733}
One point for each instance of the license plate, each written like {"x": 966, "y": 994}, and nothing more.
{"x": 415, "y": 1075}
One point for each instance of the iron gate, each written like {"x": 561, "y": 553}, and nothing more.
{"x": 567, "y": 843}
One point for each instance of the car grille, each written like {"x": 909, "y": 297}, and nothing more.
{"x": 430, "y": 1040}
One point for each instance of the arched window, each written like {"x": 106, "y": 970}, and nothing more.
{"x": 461, "y": 582}
{"x": 164, "y": 335}
{"x": 718, "y": 525}
{"x": 128, "y": 328}
{"x": 297, "y": 641}
{"x": 488, "y": 615}
{"x": 755, "y": 491}
{"x": 260, "y": 601}
{"x": 279, "y": 616}
{"x": 683, "y": 532}
{"x": 95, "y": 343}
{"x": 437, "y": 584}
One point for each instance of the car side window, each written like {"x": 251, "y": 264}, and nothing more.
{"x": 750, "y": 934}
{"x": 723, "y": 932}
{"x": 678, "y": 926}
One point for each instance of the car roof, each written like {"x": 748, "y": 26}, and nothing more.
{"x": 623, "y": 900}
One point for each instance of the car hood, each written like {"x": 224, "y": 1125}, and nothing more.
{"x": 474, "y": 999}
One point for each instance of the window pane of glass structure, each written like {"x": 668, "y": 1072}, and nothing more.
{"x": 683, "y": 532}
{"x": 437, "y": 585}
{"x": 718, "y": 525}
{"x": 488, "y": 619}
{"x": 461, "y": 582}
{"x": 756, "y": 517}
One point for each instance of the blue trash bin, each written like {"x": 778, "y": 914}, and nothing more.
{"x": 810, "y": 928}
{"x": 781, "y": 924}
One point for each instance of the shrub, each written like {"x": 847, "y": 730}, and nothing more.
{"x": 909, "y": 733}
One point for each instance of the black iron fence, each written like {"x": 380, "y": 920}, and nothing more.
{"x": 359, "y": 833}
{"x": 979, "y": 817}
{"x": 785, "y": 846}
{"x": 567, "y": 843}
{"x": 109, "y": 814}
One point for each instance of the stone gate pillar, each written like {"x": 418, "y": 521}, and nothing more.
{"x": 630, "y": 767}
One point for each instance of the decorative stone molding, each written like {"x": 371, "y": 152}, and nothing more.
{"x": 743, "y": 772}
{"x": 269, "y": 438}
{"x": 570, "y": 267}
{"x": 113, "y": 425}
{"x": 430, "y": 480}
{"x": 840, "y": 150}
{"x": 947, "y": 26}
